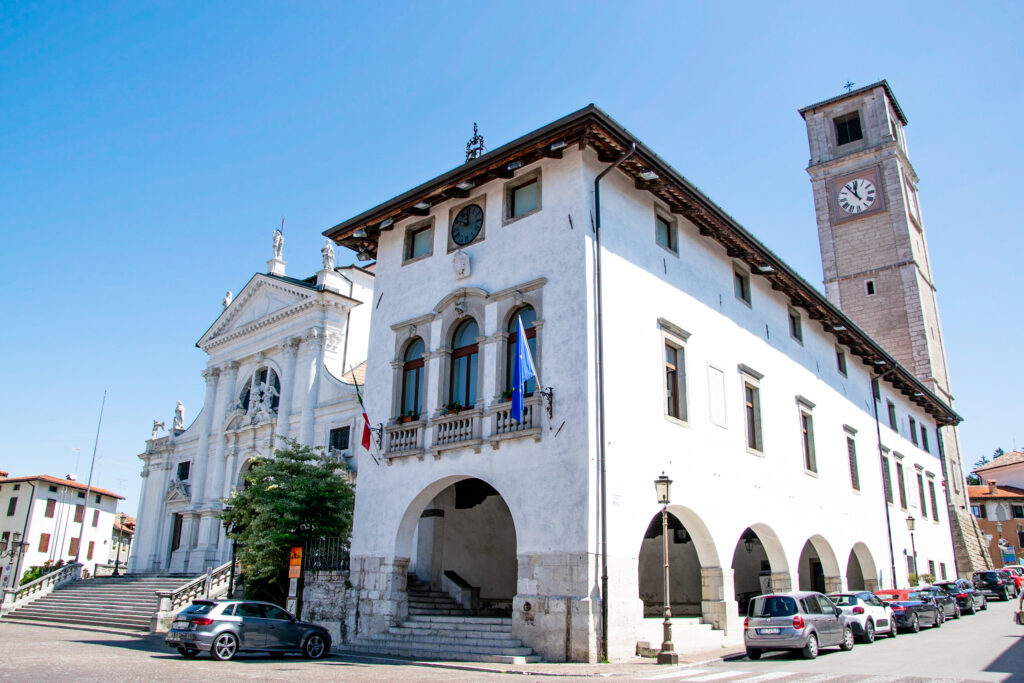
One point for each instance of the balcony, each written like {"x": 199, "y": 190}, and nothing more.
{"x": 404, "y": 440}
{"x": 456, "y": 430}
{"x": 504, "y": 427}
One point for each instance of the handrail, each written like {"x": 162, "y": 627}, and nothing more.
{"x": 16, "y": 597}
{"x": 196, "y": 588}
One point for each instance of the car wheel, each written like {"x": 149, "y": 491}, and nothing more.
{"x": 973, "y": 609}
{"x": 894, "y": 628}
{"x": 915, "y": 624}
{"x": 940, "y": 617}
{"x": 1006, "y": 595}
{"x": 225, "y": 647}
{"x": 187, "y": 653}
{"x": 315, "y": 646}
{"x": 956, "y": 612}
{"x": 754, "y": 654}
{"x": 869, "y": 632}
{"x": 984, "y": 603}
{"x": 810, "y": 650}
{"x": 847, "y": 643}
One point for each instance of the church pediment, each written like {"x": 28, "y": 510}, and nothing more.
{"x": 178, "y": 491}
{"x": 262, "y": 301}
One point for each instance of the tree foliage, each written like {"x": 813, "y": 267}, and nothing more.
{"x": 289, "y": 498}
{"x": 974, "y": 479}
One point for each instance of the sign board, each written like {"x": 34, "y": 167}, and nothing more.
{"x": 294, "y": 571}
{"x": 1009, "y": 555}
{"x": 295, "y": 559}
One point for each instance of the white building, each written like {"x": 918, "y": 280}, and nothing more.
{"x": 57, "y": 521}
{"x": 277, "y": 355}
{"x": 675, "y": 343}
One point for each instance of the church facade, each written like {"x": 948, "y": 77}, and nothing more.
{"x": 668, "y": 340}
{"x": 278, "y": 357}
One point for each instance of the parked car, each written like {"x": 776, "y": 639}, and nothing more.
{"x": 911, "y": 609}
{"x": 997, "y": 583}
{"x": 866, "y": 614}
{"x": 803, "y": 621}
{"x": 969, "y": 599}
{"x": 943, "y": 600}
{"x": 1018, "y": 576}
{"x": 226, "y": 628}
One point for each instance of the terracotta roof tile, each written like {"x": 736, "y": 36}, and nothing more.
{"x": 63, "y": 482}
{"x": 976, "y": 492}
{"x": 1011, "y": 458}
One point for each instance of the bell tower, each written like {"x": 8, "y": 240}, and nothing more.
{"x": 875, "y": 257}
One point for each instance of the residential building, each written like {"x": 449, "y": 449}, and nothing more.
{"x": 121, "y": 540}
{"x": 998, "y": 506}
{"x": 54, "y": 519}
{"x": 667, "y": 339}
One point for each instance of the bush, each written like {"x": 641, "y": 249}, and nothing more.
{"x": 40, "y": 570}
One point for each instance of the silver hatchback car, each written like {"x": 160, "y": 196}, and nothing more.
{"x": 226, "y": 628}
{"x": 804, "y": 621}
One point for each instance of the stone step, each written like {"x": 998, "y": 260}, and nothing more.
{"x": 459, "y": 628}
{"x": 480, "y": 639}
{"x": 436, "y": 611}
{"x": 443, "y": 655}
{"x": 430, "y": 644}
{"x": 122, "y": 624}
{"x": 59, "y": 596}
{"x": 95, "y": 614}
{"x": 504, "y": 621}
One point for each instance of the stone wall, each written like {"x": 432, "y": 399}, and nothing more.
{"x": 325, "y": 602}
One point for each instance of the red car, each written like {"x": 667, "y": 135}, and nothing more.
{"x": 1018, "y": 576}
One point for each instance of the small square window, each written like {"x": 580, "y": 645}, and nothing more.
{"x": 841, "y": 361}
{"x": 913, "y": 430}
{"x": 848, "y": 129}
{"x": 665, "y": 233}
{"x": 892, "y": 415}
{"x": 796, "y": 328}
{"x": 924, "y": 440}
{"x": 1018, "y": 511}
{"x": 53, "y": 489}
{"x": 869, "y": 287}
{"x": 17, "y": 487}
{"x": 741, "y": 285}
{"x": 183, "y": 470}
{"x": 419, "y": 241}
{"x": 523, "y": 198}
{"x": 339, "y": 439}
{"x": 99, "y": 499}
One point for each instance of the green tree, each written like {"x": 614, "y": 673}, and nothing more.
{"x": 975, "y": 480}
{"x": 289, "y": 498}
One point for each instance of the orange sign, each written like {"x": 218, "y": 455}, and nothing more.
{"x": 294, "y": 571}
{"x": 295, "y": 560}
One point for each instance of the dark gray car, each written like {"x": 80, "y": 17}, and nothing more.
{"x": 226, "y": 628}
{"x": 804, "y": 621}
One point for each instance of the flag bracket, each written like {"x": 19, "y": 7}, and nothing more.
{"x": 378, "y": 435}
{"x": 548, "y": 395}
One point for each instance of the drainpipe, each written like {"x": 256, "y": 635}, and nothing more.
{"x": 599, "y": 344}
{"x": 876, "y": 396}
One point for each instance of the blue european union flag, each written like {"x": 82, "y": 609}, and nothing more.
{"x": 522, "y": 372}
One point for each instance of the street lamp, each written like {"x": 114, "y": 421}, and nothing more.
{"x": 230, "y": 530}
{"x": 120, "y": 531}
{"x": 913, "y": 546}
{"x": 663, "y": 487}
{"x": 14, "y": 551}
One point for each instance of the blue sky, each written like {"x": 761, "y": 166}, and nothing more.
{"x": 147, "y": 151}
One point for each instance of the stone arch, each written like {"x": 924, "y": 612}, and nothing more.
{"x": 696, "y": 584}
{"x": 247, "y": 462}
{"x": 759, "y": 565}
{"x": 861, "y": 571}
{"x": 818, "y": 569}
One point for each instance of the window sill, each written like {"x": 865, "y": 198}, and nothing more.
{"x": 513, "y": 219}
{"x": 744, "y": 302}
{"x": 754, "y": 451}
{"x": 414, "y": 259}
{"x": 676, "y": 421}
{"x": 674, "y": 252}
{"x": 810, "y": 473}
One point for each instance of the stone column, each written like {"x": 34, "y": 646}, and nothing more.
{"x": 315, "y": 340}
{"x": 132, "y": 565}
{"x": 198, "y": 475}
{"x": 288, "y": 384}
{"x": 782, "y": 582}
{"x": 160, "y": 551}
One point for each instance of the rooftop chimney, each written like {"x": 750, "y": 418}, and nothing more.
{"x": 992, "y": 486}
{"x": 3, "y": 475}
{"x": 72, "y": 477}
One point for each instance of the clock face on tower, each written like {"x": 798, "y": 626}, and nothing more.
{"x": 467, "y": 224}
{"x": 856, "y": 196}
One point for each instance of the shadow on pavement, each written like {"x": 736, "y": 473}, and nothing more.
{"x": 1011, "y": 661}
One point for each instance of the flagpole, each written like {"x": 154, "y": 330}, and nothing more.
{"x": 88, "y": 486}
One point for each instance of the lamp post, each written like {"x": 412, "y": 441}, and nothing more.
{"x": 117, "y": 560}
{"x": 663, "y": 487}
{"x": 230, "y": 530}
{"x": 913, "y": 546}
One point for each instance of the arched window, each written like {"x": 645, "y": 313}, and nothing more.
{"x": 529, "y": 316}
{"x": 412, "y": 378}
{"x": 262, "y": 390}
{"x": 465, "y": 364}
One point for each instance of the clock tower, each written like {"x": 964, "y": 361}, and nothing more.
{"x": 875, "y": 258}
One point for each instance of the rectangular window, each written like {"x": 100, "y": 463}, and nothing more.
{"x": 88, "y": 553}
{"x": 902, "y": 485}
{"x": 942, "y": 570}
{"x": 12, "y": 505}
{"x": 851, "y": 451}
{"x": 1018, "y": 511}
{"x": 419, "y": 241}
{"x": 741, "y": 285}
{"x": 51, "y": 506}
{"x": 848, "y": 129}
{"x": 841, "y": 361}
{"x": 675, "y": 382}
{"x": 910, "y": 565}
{"x": 99, "y": 499}
{"x": 886, "y": 479}
{"x": 339, "y": 439}
{"x": 807, "y": 439}
{"x": 79, "y": 513}
{"x": 931, "y": 567}
{"x": 920, "y": 495}
{"x": 665, "y": 233}
{"x": 752, "y": 406}
{"x": 17, "y": 487}
{"x": 81, "y": 494}
{"x": 73, "y": 547}
{"x": 524, "y": 198}
{"x": 5, "y": 538}
{"x": 913, "y": 431}
{"x": 935, "y": 501}
{"x": 892, "y": 415}
{"x": 95, "y": 517}
{"x": 796, "y": 330}
{"x": 184, "y": 470}
{"x": 924, "y": 440}
{"x": 44, "y": 543}
{"x": 53, "y": 489}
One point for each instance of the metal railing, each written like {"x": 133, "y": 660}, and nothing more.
{"x": 326, "y": 554}
{"x": 33, "y": 590}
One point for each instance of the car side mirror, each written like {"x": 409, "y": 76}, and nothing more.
{"x": 838, "y": 611}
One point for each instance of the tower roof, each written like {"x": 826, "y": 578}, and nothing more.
{"x": 854, "y": 93}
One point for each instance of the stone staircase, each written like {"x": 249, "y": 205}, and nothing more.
{"x": 125, "y": 602}
{"x": 439, "y": 628}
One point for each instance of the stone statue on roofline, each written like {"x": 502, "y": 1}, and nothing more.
{"x": 278, "y": 242}
{"x": 157, "y": 426}
{"x": 228, "y": 298}
{"x": 179, "y": 416}
{"x": 328, "y": 254}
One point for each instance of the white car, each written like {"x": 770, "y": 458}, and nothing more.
{"x": 867, "y": 613}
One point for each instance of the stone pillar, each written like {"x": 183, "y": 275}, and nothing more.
{"x": 288, "y": 385}
{"x": 430, "y": 547}
{"x": 315, "y": 340}
{"x": 718, "y": 606}
{"x": 160, "y": 554}
{"x": 833, "y": 584}
{"x": 782, "y": 582}
{"x": 198, "y": 476}
{"x": 871, "y": 585}
{"x": 381, "y": 601}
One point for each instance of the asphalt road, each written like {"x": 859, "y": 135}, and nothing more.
{"x": 986, "y": 647}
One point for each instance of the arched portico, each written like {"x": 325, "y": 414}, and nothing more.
{"x": 818, "y": 569}
{"x": 759, "y": 565}
{"x": 861, "y": 572}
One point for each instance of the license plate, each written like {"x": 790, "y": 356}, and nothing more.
{"x": 180, "y": 624}
{"x": 173, "y": 636}
{"x": 768, "y": 631}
